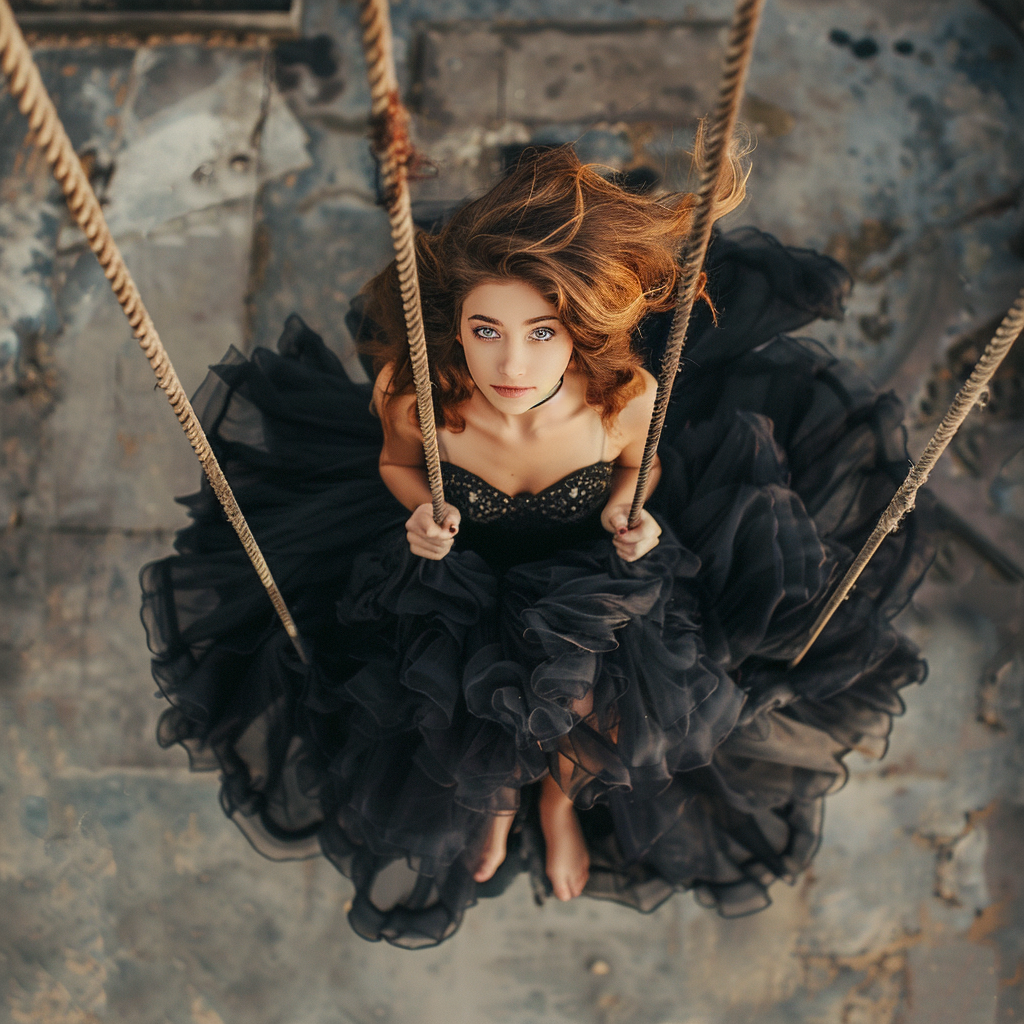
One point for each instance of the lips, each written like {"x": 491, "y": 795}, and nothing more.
{"x": 511, "y": 392}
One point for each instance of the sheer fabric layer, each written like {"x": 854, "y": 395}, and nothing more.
{"x": 439, "y": 693}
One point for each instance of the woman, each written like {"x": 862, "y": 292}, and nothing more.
{"x": 531, "y": 673}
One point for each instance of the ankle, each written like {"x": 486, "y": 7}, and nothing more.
{"x": 553, "y": 799}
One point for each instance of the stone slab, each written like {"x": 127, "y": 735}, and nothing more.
{"x": 116, "y": 455}
{"x": 188, "y": 140}
{"x": 589, "y": 73}
{"x": 319, "y": 240}
{"x": 952, "y": 984}
{"x": 77, "y": 669}
{"x": 88, "y": 88}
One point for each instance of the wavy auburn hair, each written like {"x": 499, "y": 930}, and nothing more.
{"x": 602, "y": 256}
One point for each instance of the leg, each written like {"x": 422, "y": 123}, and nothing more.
{"x": 494, "y": 847}
{"x": 568, "y": 864}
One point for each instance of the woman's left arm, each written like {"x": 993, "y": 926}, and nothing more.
{"x": 631, "y": 428}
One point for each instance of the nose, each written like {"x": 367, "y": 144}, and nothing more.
{"x": 512, "y": 361}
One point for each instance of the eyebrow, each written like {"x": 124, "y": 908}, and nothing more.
{"x": 498, "y": 323}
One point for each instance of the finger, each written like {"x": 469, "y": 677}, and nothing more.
{"x": 442, "y": 544}
{"x": 626, "y": 551}
{"x": 630, "y": 552}
{"x": 420, "y": 544}
{"x": 433, "y": 554}
{"x": 648, "y": 528}
{"x": 435, "y": 532}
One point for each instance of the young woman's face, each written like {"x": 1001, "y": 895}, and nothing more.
{"x": 516, "y": 348}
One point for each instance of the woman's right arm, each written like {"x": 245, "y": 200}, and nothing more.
{"x": 403, "y": 469}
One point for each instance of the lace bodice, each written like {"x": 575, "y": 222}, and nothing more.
{"x": 507, "y": 529}
{"x": 568, "y": 500}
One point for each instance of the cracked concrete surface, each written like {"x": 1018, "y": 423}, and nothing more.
{"x": 240, "y": 188}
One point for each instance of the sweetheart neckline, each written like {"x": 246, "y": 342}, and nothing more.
{"x": 526, "y": 494}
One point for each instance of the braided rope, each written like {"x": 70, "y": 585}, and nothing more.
{"x": 49, "y": 136}
{"x": 738, "y": 51}
{"x": 903, "y": 500}
{"x": 390, "y": 126}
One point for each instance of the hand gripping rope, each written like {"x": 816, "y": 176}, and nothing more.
{"x": 49, "y": 136}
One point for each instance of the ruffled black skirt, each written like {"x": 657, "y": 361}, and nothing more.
{"x": 439, "y": 693}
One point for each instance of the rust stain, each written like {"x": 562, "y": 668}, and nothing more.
{"x": 987, "y": 922}
{"x": 129, "y": 444}
{"x": 883, "y": 988}
{"x": 50, "y": 1003}
{"x": 768, "y": 119}
{"x": 865, "y": 961}
{"x": 1015, "y": 979}
{"x": 907, "y": 766}
{"x": 853, "y": 251}
{"x": 981, "y": 814}
{"x": 202, "y": 1013}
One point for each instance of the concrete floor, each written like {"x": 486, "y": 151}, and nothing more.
{"x": 888, "y": 134}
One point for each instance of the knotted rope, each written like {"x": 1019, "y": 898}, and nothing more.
{"x": 903, "y": 500}
{"x": 738, "y": 51}
{"x": 49, "y": 136}
{"x": 394, "y": 150}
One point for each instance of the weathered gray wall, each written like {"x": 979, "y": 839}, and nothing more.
{"x": 239, "y": 194}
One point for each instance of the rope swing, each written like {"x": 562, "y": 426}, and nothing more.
{"x": 389, "y": 122}
{"x": 49, "y": 136}
{"x": 390, "y": 127}
{"x": 903, "y": 500}
{"x": 738, "y": 51}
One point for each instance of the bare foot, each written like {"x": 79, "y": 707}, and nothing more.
{"x": 568, "y": 863}
{"x": 494, "y": 847}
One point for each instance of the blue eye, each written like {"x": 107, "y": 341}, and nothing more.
{"x": 547, "y": 333}
{"x": 479, "y": 332}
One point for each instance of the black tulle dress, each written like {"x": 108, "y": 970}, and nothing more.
{"x": 438, "y": 693}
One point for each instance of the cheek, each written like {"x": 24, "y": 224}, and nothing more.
{"x": 564, "y": 355}
{"x": 475, "y": 355}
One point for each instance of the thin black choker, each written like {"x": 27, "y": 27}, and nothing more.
{"x": 551, "y": 394}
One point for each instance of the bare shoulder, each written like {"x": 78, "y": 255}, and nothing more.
{"x": 381, "y": 385}
{"x": 394, "y": 411}
{"x": 635, "y": 417}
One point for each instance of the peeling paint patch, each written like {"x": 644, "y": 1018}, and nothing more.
{"x": 27, "y": 234}
{"x": 960, "y": 871}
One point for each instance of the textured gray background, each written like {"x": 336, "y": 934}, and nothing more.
{"x": 239, "y": 191}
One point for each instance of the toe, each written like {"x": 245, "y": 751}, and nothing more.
{"x": 486, "y": 869}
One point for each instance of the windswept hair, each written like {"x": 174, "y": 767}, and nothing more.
{"x": 602, "y": 256}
